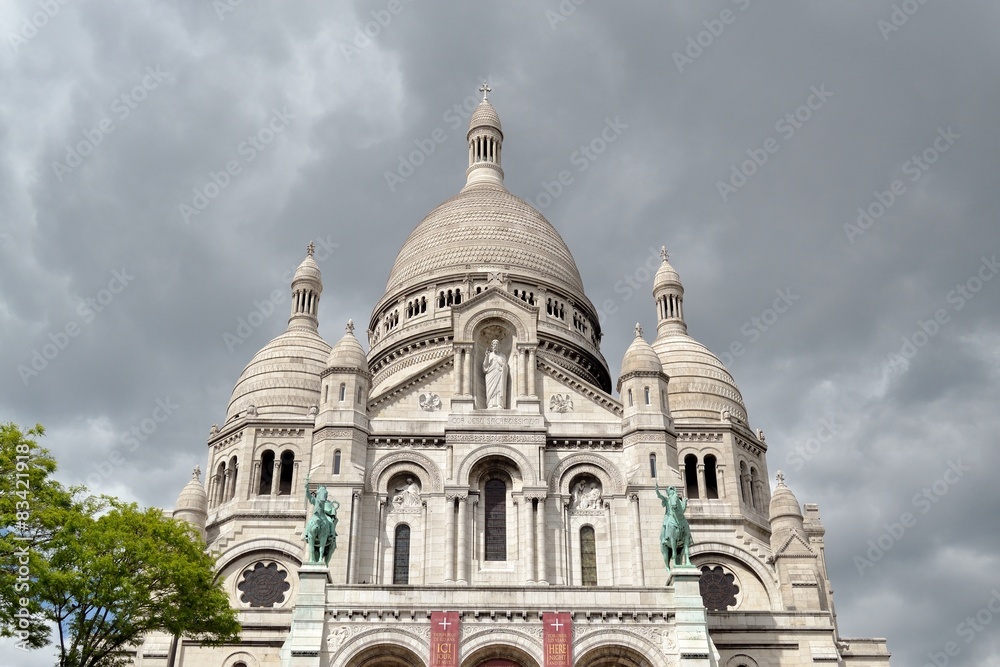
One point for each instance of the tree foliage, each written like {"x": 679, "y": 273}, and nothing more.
{"x": 103, "y": 572}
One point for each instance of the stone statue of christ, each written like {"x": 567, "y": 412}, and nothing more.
{"x": 495, "y": 370}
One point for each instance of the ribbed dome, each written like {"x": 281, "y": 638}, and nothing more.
{"x": 666, "y": 276}
{"x": 308, "y": 270}
{"x": 784, "y": 503}
{"x": 485, "y": 115}
{"x": 283, "y": 379}
{"x": 700, "y": 386}
{"x": 640, "y": 356}
{"x": 193, "y": 497}
{"x": 485, "y": 226}
{"x": 348, "y": 353}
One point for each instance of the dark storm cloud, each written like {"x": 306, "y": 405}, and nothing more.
{"x": 747, "y": 154}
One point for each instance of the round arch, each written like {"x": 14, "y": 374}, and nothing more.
{"x": 382, "y": 648}
{"x": 598, "y": 466}
{"x": 411, "y": 462}
{"x": 729, "y": 555}
{"x": 602, "y": 649}
{"x": 519, "y": 460}
{"x": 265, "y": 547}
{"x": 504, "y": 644}
{"x": 520, "y": 330}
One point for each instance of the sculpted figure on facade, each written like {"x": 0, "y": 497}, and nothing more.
{"x": 586, "y": 495}
{"x": 407, "y": 495}
{"x": 495, "y": 372}
{"x": 675, "y": 533}
{"x": 321, "y": 528}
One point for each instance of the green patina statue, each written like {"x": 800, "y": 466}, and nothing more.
{"x": 675, "y": 534}
{"x": 321, "y": 528}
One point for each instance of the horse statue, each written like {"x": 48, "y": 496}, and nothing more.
{"x": 675, "y": 535}
{"x": 321, "y": 528}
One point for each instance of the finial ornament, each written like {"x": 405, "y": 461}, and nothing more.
{"x": 664, "y": 254}
{"x": 310, "y": 249}
{"x": 781, "y": 478}
{"x": 638, "y": 330}
{"x": 350, "y": 327}
{"x": 196, "y": 474}
{"x": 485, "y": 90}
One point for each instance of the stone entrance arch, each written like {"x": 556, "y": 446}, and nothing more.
{"x": 613, "y": 656}
{"x": 499, "y": 655}
{"x": 385, "y": 655}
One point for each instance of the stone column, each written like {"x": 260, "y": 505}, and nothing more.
{"x": 527, "y": 539}
{"x": 702, "y": 485}
{"x": 355, "y": 548}
{"x": 459, "y": 369}
{"x": 531, "y": 372}
{"x": 541, "y": 575}
{"x": 463, "y": 541}
{"x": 470, "y": 385}
{"x": 612, "y": 542}
{"x": 720, "y": 480}
{"x": 640, "y": 575}
{"x": 522, "y": 388}
{"x": 276, "y": 478}
{"x": 254, "y": 486}
{"x": 449, "y": 547}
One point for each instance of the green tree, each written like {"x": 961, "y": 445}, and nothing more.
{"x": 104, "y": 572}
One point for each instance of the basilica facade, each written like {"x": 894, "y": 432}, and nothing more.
{"x": 497, "y": 493}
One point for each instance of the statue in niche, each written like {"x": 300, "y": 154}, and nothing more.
{"x": 675, "y": 533}
{"x": 495, "y": 371}
{"x": 586, "y": 495}
{"x": 321, "y": 528}
{"x": 407, "y": 495}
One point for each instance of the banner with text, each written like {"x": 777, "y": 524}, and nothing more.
{"x": 558, "y": 639}
{"x": 444, "y": 639}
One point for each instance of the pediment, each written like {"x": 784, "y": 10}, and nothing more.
{"x": 795, "y": 545}
{"x": 495, "y": 302}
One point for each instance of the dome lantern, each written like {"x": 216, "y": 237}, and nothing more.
{"x": 307, "y": 285}
{"x": 485, "y": 139}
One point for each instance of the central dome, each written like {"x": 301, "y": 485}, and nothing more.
{"x": 485, "y": 226}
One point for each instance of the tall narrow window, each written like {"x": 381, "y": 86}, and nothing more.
{"x": 711, "y": 480}
{"x": 401, "y": 556}
{"x": 691, "y": 475}
{"x": 743, "y": 483}
{"x": 285, "y": 480}
{"x": 588, "y": 556}
{"x": 233, "y": 469}
{"x": 343, "y": 392}
{"x": 361, "y": 395}
{"x": 652, "y": 466}
{"x": 630, "y": 398}
{"x": 496, "y": 520}
{"x": 754, "y": 489}
{"x": 646, "y": 390}
{"x": 220, "y": 483}
{"x": 266, "y": 473}
{"x": 336, "y": 462}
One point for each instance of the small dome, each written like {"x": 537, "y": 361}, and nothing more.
{"x": 348, "y": 353}
{"x": 666, "y": 275}
{"x": 193, "y": 496}
{"x": 485, "y": 116}
{"x": 308, "y": 270}
{"x": 700, "y": 386}
{"x": 783, "y": 502}
{"x": 283, "y": 379}
{"x": 640, "y": 356}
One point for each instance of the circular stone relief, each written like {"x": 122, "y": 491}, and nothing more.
{"x": 719, "y": 590}
{"x": 263, "y": 585}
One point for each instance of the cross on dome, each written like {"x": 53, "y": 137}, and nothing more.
{"x": 664, "y": 254}
{"x": 485, "y": 90}
{"x": 310, "y": 249}
{"x": 638, "y": 330}
{"x": 196, "y": 474}
{"x": 781, "y": 478}
{"x": 350, "y": 327}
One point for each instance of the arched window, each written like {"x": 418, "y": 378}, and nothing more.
{"x": 266, "y": 473}
{"x": 711, "y": 481}
{"x": 361, "y": 395}
{"x": 343, "y": 391}
{"x": 401, "y": 555}
{"x": 652, "y": 466}
{"x": 495, "y": 504}
{"x": 336, "y": 462}
{"x": 646, "y": 391}
{"x": 588, "y": 556}
{"x": 220, "y": 483}
{"x": 743, "y": 483}
{"x": 630, "y": 398}
{"x": 233, "y": 470}
{"x": 754, "y": 489}
{"x": 691, "y": 475}
{"x": 326, "y": 393}
{"x": 285, "y": 480}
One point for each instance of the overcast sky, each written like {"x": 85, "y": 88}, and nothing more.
{"x": 746, "y": 138}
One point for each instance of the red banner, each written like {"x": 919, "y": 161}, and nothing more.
{"x": 444, "y": 639}
{"x": 558, "y": 639}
